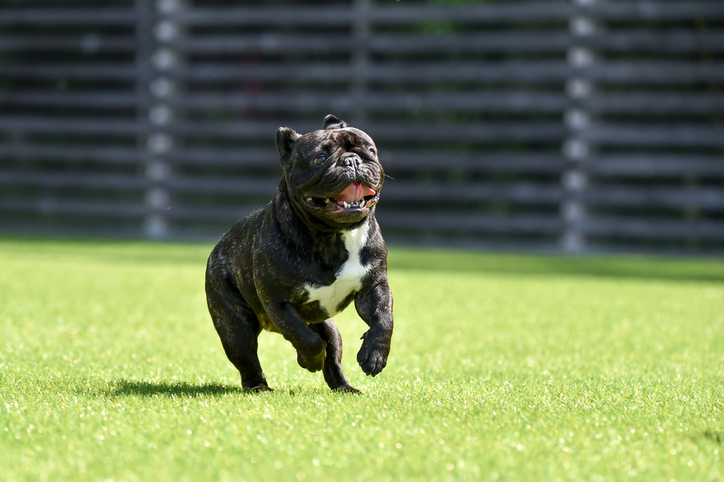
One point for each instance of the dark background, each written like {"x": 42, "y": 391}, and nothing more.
{"x": 572, "y": 126}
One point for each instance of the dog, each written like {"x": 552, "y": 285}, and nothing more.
{"x": 294, "y": 264}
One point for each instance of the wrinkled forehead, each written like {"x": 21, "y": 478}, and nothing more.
{"x": 348, "y": 137}
{"x": 360, "y": 137}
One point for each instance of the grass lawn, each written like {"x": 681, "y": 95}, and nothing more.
{"x": 503, "y": 367}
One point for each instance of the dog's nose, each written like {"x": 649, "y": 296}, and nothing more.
{"x": 349, "y": 160}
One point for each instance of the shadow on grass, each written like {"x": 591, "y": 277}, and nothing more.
{"x": 142, "y": 388}
{"x": 174, "y": 389}
{"x": 620, "y": 266}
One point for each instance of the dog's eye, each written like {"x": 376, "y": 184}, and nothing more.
{"x": 373, "y": 152}
{"x": 319, "y": 160}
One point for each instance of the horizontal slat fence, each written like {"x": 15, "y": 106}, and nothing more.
{"x": 580, "y": 125}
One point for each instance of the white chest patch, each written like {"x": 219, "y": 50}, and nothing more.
{"x": 348, "y": 278}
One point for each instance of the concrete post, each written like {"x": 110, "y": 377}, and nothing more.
{"x": 576, "y": 149}
{"x": 161, "y": 88}
{"x": 360, "y": 60}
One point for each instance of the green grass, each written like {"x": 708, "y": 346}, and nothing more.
{"x": 503, "y": 367}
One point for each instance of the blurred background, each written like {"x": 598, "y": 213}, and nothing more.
{"x": 567, "y": 126}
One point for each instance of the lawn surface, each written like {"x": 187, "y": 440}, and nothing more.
{"x": 503, "y": 367}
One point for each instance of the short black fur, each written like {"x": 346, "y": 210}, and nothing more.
{"x": 319, "y": 230}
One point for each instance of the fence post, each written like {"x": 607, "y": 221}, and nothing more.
{"x": 576, "y": 149}
{"x": 359, "y": 58}
{"x": 159, "y": 88}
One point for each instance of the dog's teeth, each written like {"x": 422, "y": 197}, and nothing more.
{"x": 344, "y": 203}
{"x": 328, "y": 201}
{"x": 309, "y": 199}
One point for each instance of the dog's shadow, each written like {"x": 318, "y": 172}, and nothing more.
{"x": 142, "y": 388}
{"x": 180, "y": 389}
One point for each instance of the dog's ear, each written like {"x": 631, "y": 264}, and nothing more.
{"x": 285, "y": 139}
{"x": 332, "y": 122}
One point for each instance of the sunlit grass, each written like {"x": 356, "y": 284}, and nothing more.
{"x": 502, "y": 367}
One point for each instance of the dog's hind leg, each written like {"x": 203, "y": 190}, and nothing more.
{"x": 239, "y": 328}
{"x": 332, "y": 370}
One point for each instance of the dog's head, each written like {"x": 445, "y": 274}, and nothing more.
{"x": 332, "y": 174}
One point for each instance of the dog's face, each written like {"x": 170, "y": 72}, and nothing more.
{"x": 332, "y": 174}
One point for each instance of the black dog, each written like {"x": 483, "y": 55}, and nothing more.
{"x": 294, "y": 264}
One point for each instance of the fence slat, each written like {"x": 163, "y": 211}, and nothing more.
{"x": 248, "y": 186}
{"x": 547, "y": 42}
{"x": 301, "y": 15}
{"x": 472, "y": 223}
{"x": 104, "y": 100}
{"x": 643, "y": 228}
{"x": 514, "y": 101}
{"x": 701, "y": 197}
{"x": 68, "y": 16}
{"x": 471, "y": 13}
{"x": 657, "y": 42}
{"x": 68, "y": 126}
{"x": 538, "y": 163}
{"x": 555, "y": 41}
{"x": 114, "y": 72}
{"x": 662, "y": 135}
{"x": 271, "y": 43}
{"x": 656, "y": 103}
{"x": 657, "y": 72}
{"x": 63, "y": 153}
{"x": 436, "y": 192}
{"x": 471, "y": 132}
{"x": 87, "y": 44}
{"x": 644, "y": 165}
{"x": 651, "y": 10}
{"x": 48, "y": 207}
{"x": 329, "y": 15}
{"x": 474, "y": 132}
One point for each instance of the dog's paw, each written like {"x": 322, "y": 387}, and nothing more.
{"x": 346, "y": 389}
{"x": 314, "y": 362}
{"x": 372, "y": 357}
{"x": 261, "y": 387}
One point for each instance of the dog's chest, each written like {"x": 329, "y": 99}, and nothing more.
{"x": 348, "y": 278}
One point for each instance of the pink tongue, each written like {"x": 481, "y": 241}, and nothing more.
{"x": 354, "y": 192}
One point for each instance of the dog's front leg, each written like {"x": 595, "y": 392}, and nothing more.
{"x": 375, "y": 309}
{"x": 309, "y": 345}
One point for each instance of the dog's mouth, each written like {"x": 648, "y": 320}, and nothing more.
{"x": 355, "y": 197}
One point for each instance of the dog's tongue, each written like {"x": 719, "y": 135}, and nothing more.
{"x": 354, "y": 192}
